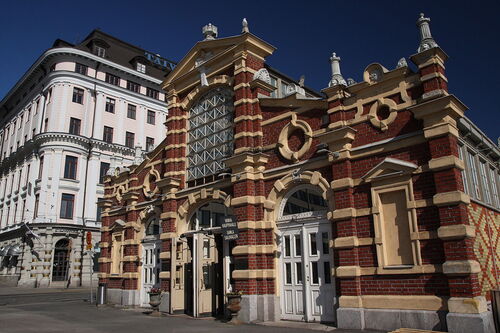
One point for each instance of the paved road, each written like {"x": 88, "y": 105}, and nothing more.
{"x": 53, "y": 310}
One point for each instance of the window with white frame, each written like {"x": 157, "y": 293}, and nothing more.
{"x": 494, "y": 187}
{"x": 464, "y": 174}
{"x": 141, "y": 68}
{"x": 210, "y": 138}
{"x": 484, "y": 182}
{"x": 471, "y": 161}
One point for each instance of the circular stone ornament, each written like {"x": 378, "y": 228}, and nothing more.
{"x": 382, "y": 113}
{"x": 283, "y": 146}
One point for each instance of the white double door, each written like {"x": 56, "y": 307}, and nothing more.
{"x": 150, "y": 269}
{"x": 308, "y": 289}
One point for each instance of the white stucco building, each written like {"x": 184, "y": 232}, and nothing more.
{"x": 78, "y": 110}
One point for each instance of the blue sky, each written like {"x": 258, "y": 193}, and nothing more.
{"x": 304, "y": 32}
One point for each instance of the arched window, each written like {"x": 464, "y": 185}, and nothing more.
{"x": 302, "y": 200}
{"x": 210, "y": 138}
{"x": 210, "y": 215}
{"x": 60, "y": 265}
{"x": 153, "y": 227}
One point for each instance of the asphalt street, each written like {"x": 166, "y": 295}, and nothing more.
{"x": 62, "y": 310}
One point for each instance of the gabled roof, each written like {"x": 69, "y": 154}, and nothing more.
{"x": 389, "y": 167}
{"x": 208, "y": 51}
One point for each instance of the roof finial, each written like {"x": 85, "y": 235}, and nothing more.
{"x": 244, "y": 24}
{"x": 426, "y": 40}
{"x": 337, "y": 78}
{"x": 209, "y": 31}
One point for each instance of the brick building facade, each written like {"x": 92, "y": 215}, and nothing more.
{"x": 350, "y": 203}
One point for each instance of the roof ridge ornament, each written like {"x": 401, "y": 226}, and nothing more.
{"x": 426, "y": 40}
{"x": 337, "y": 78}
{"x": 209, "y": 31}
{"x": 244, "y": 25}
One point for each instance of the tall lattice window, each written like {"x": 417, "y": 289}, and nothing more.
{"x": 210, "y": 133}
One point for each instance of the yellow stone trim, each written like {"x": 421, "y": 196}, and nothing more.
{"x": 175, "y": 146}
{"x": 131, "y": 275}
{"x": 103, "y": 244}
{"x": 346, "y": 242}
{"x": 134, "y": 225}
{"x": 165, "y": 255}
{"x": 103, "y": 275}
{"x": 247, "y": 117}
{"x": 173, "y": 173}
{"x": 439, "y": 130}
{"x": 104, "y": 260}
{"x": 176, "y": 131}
{"x": 411, "y": 302}
{"x": 457, "y": 231}
{"x": 467, "y": 305}
{"x": 167, "y": 235}
{"x": 164, "y": 275}
{"x": 461, "y": 267}
{"x": 105, "y": 229}
{"x": 344, "y": 213}
{"x": 254, "y": 274}
{"x": 446, "y": 162}
{"x": 168, "y": 215}
{"x": 417, "y": 269}
{"x": 131, "y": 242}
{"x": 244, "y": 69}
{"x": 342, "y": 183}
{"x": 255, "y": 225}
{"x": 130, "y": 258}
{"x": 247, "y": 134}
{"x": 172, "y": 118}
{"x": 174, "y": 159}
{"x": 253, "y": 249}
{"x": 451, "y": 198}
{"x": 248, "y": 200}
{"x": 348, "y": 271}
{"x": 242, "y": 85}
{"x": 294, "y": 124}
{"x": 246, "y": 101}
{"x": 432, "y": 76}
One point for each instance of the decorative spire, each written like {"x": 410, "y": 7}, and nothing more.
{"x": 426, "y": 40}
{"x": 244, "y": 25}
{"x": 209, "y": 31}
{"x": 337, "y": 78}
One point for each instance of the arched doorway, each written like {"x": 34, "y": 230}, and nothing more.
{"x": 151, "y": 263}
{"x": 202, "y": 263}
{"x": 60, "y": 265}
{"x": 306, "y": 259}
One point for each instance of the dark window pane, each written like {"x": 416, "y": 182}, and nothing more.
{"x": 78, "y": 95}
{"x": 131, "y": 111}
{"x": 110, "y": 105}
{"x": 298, "y": 267}
{"x": 132, "y": 86}
{"x": 328, "y": 274}
{"x": 81, "y": 69}
{"x": 304, "y": 201}
{"x": 287, "y": 246}
{"x": 70, "y": 167}
{"x": 151, "y": 117}
{"x": 74, "y": 126}
{"x": 102, "y": 172}
{"x": 67, "y": 203}
{"x": 288, "y": 273}
{"x": 129, "y": 139}
{"x": 312, "y": 243}
{"x": 298, "y": 246}
{"x": 325, "y": 241}
{"x": 314, "y": 272}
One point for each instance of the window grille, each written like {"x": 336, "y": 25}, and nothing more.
{"x": 210, "y": 138}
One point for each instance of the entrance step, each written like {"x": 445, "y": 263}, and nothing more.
{"x": 299, "y": 324}
{"x": 412, "y": 330}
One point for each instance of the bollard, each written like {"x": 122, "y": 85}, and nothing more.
{"x": 101, "y": 294}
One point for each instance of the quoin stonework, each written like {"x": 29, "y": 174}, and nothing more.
{"x": 370, "y": 204}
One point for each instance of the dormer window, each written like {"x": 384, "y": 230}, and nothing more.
{"x": 99, "y": 51}
{"x": 141, "y": 68}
